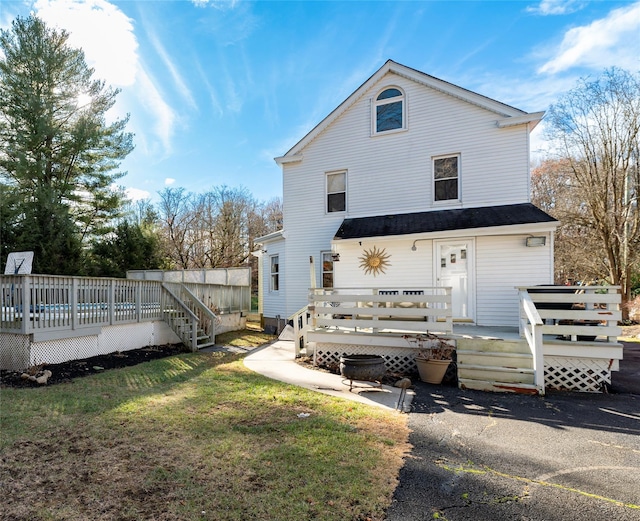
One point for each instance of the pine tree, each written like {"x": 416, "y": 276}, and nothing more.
{"x": 58, "y": 154}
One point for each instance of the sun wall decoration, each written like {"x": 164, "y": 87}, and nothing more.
{"x": 374, "y": 261}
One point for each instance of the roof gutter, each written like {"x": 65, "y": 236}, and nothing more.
{"x": 528, "y": 119}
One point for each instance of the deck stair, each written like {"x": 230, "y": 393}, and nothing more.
{"x": 188, "y": 317}
{"x": 495, "y": 365}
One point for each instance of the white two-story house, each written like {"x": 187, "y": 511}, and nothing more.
{"x": 411, "y": 182}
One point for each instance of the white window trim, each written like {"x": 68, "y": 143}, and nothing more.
{"x": 374, "y": 116}
{"x": 433, "y": 180}
{"x": 326, "y": 192}
{"x": 271, "y": 274}
{"x": 322, "y": 271}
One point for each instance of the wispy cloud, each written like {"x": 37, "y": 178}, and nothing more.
{"x": 103, "y": 31}
{"x": 213, "y": 95}
{"x": 218, "y": 4}
{"x": 165, "y": 117}
{"x": 603, "y": 43}
{"x": 169, "y": 181}
{"x": 179, "y": 81}
{"x": 556, "y": 7}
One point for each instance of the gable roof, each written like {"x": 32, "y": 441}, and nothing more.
{"x": 506, "y": 114}
{"x": 442, "y": 221}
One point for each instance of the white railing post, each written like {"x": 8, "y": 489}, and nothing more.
{"x": 73, "y": 303}
{"x": 613, "y": 307}
{"x": 112, "y": 301}
{"x": 449, "y": 307}
{"x": 538, "y": 357}
{"x": 138, "y": 289}
{"x": 26, "y": 303}
{"x": 312, "y": 308}
{"x": 531, "y": 325}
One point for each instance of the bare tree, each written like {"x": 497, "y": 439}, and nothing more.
{"x": 264, "y": 219}
{"x": 226, "y": 215}
{"x": 215, "y": 229}
{"x": 595, "y": 128}
{"x": 178, "y": 218}
{"x": 577, "y": 250}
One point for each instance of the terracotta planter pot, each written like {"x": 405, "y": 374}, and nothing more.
{"x": 432, "y": 371}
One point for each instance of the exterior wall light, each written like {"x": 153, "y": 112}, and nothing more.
{"x": 413, "y": 246}
{"x": 532, "y": 241}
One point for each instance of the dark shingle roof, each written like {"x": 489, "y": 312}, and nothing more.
{"x": 441, "y": 221}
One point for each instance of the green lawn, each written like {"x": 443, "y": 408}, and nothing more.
{"x": 195, "y": 436}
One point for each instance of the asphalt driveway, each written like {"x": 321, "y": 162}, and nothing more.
{"x": 563, "y": 457}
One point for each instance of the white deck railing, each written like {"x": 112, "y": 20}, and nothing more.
{"x": 52, "y": 303}
{"x": 531, "y": 329}
{"x": 585, "y": 314}
{"x": 34, "y": 303}
{"x": 380, "y": 310}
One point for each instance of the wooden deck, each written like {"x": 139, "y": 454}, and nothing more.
{"x": 567, "y": 337}
{"x": 45, "y": 317}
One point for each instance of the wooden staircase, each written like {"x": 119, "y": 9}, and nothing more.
{"x": 189, "y": 318}
{"x": 495, "y": 365}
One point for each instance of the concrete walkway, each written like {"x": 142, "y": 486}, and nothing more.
{"x": 277, "y": 361}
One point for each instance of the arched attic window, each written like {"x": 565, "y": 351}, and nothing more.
{"x": 389, "y": 110}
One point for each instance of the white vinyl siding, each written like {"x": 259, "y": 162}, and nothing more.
{"x": 502, "y": 264}
{"x": 401, "y": 163}
{"x": 406, "y": 269}
{"x": 392, "y": 173}
{"x": 274, "y": 303}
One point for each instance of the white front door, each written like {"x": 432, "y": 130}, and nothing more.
{"x": 454, "y": 268}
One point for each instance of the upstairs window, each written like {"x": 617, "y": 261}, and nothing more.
{"x": 389, "y": 110}
{"x": 446, "y": 176}
{"x": 337, "y": 192}
{"x": 275, "y": 273}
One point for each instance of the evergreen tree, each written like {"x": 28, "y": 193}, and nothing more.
{"x": 130, "y": 247}
{"x": 58, "y": 154}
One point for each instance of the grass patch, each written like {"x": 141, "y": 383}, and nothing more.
{"x": 251, "y": 336}
{"x": 194, "y": 436}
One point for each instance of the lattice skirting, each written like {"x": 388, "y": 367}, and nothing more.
{"x": 17, "y": 352}
{"x": 576, "y": 374}
{"x": 399, "y": 360}
{"x": 14, "y": 351}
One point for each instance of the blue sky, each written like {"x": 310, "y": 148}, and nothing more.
{"x": 217, "y": 89}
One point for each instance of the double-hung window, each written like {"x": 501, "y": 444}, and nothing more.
{"x": 327, "y": 269}
{"x": 275, "y": 273}
{"x": 337, "y": 192}
{"x": 446, "y": 178}
{"x": 389, "y": 110}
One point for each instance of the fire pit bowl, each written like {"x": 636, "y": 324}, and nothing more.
{"x": 366, "y": 368}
